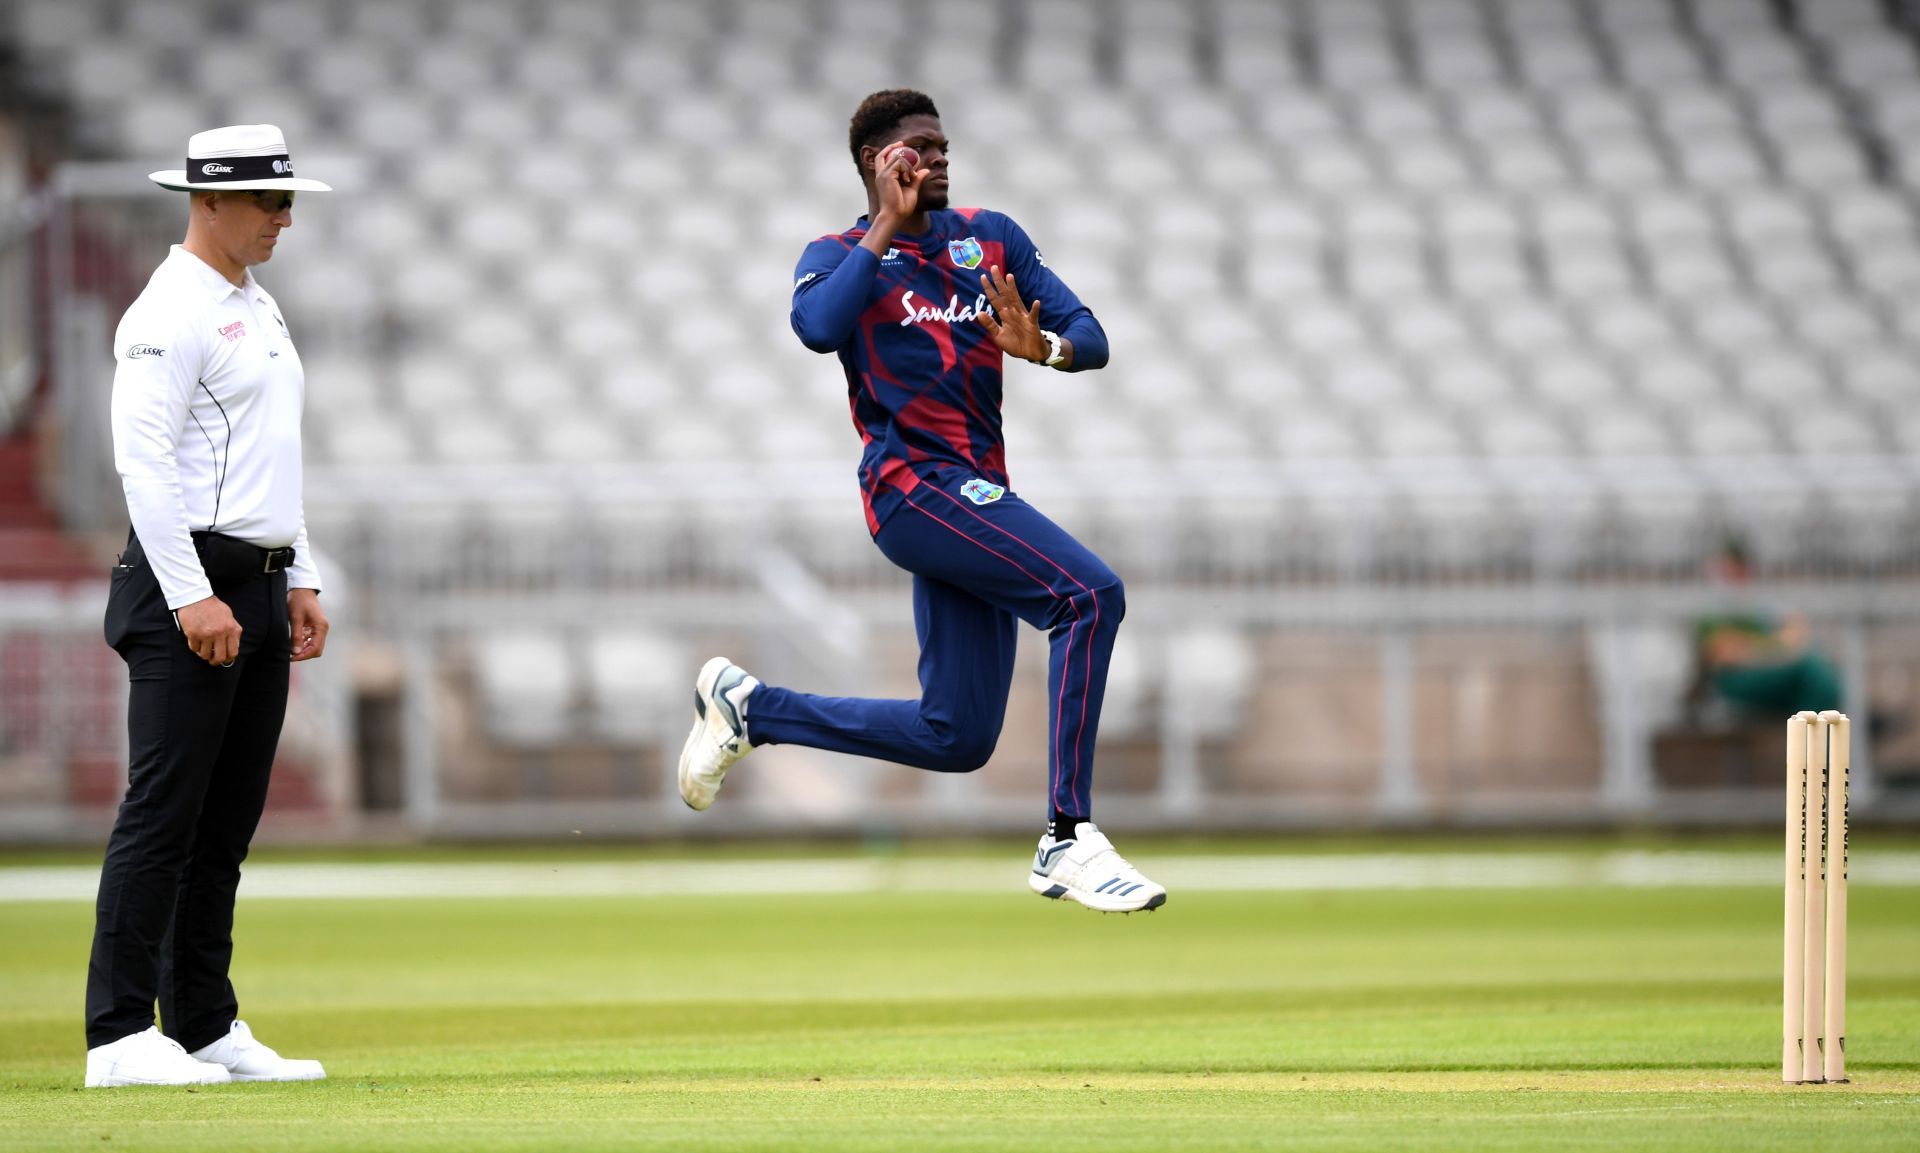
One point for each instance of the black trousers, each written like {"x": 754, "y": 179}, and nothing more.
{"x": 201, "y": 741}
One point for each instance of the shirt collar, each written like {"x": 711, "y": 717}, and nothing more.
{"x": 217, "y": 286}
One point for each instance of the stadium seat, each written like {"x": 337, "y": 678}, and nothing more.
{"x": 1831, "y": 430}
{"x": 1625, "y": 432}
{"x": 367, "y": 438}
{"x": 634, "y": 680}
{"x": 1413, "y": 434}
{"x": 1883, "y": 375}
{"x": 475, "y": 437}
{"x": 1623, "y": 325}
{"x": 1838, "y": 325}
{"x": 1365, "y": 382}
{"x": 1423, "y": 328}
{"x": 1676, "y": 379}
{"x": 1307, "y": 434}
{"x": 1730, "y": 433}
{"x": 1780, "y": 379}
{"x": 1730, "y": 323}
{"x": 1521, "y": 327}
{"x": 582, "y": 436}
{"x": 529, "y": 686}
{"x": 1521, "y": 435}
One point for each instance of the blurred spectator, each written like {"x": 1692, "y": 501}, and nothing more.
{"x": 1757, "y": 662}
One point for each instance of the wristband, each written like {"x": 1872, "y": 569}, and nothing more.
{"x": 1054, "y": 355}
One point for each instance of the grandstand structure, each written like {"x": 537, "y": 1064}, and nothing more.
{"x": 1451, "y": 337}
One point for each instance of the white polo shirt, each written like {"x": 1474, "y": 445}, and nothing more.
{"x": 207, "y": 396}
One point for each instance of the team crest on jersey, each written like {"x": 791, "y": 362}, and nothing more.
{"x": 965, "y": 253}
{"x": 981, "y": 492}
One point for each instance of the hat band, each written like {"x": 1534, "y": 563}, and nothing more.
{"x": 228, "y": 169}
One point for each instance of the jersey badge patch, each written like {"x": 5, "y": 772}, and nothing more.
{"x": 965, "y": 253}
{"x": 981, "y": 492}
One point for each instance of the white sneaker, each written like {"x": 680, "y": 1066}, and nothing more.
{"x": 149, "y": 1058}
{"x": 1088, "y": 870}
{"x": 719, "y": 735}
{"x": 248, "y": 1060}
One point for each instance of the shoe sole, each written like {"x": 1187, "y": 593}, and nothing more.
{"x": 299, "y": 1077}
{"x": 1054, "y": 890}
{"x": 128, "y": 1083}
{"x": 686, "y": 760}
{"x": 702, "y": 692}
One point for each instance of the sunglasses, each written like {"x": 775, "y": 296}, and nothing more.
{"x": 270, "y": 200}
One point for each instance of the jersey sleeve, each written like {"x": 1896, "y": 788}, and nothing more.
{"x": 830, "y": 288}
{"x": 157, "y": 366}
{"x": 1060, "y": 310}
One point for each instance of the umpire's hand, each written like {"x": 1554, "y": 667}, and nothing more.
{"x": 212, "y": 633}
{"x": 307, "y": 623}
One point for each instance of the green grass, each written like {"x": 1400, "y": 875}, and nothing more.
{"x": 1568, "y": 1019}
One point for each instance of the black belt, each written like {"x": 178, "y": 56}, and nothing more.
{"x": 227, "y": 558}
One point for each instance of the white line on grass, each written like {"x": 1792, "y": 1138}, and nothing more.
{"x": 1269, "y": 873}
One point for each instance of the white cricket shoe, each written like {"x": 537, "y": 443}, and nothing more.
{"x": 149, "y": 1057}
{"x": 1087, "y": 869}
{"x": 719, "y": 735}
{"x": 248, "y": 1060}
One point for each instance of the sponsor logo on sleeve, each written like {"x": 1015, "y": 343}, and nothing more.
{"x": 234, "y": 331}
{"x": 141, "y": 351}
{"x": 1039, "y": 259}
{"x": 982, "y": 492}
{"x": 803, "y": 281}
{"x": 965, "y": 253}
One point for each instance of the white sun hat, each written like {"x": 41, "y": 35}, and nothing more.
{"x": 239, "y": 157}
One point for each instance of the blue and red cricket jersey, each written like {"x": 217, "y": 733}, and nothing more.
{"x": 923, "y": 375}
{"x": 923, "y": 379}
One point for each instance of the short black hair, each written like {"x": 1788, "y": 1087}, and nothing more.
{"x": 881, "y": 113}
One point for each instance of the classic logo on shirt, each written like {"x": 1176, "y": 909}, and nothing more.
{"x": 234, "y": 331}
{"x": 953, "y": 312}
{"x": 135, "y": 352}
{"x": 982, "y": 492}
{"x": 965, "y": 253}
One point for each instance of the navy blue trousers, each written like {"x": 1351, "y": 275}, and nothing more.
{"x": 978, "y": 569}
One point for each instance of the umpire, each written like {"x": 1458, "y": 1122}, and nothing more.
{"x": 214, "y": 596}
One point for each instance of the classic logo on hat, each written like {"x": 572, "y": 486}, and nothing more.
{"x": 240, "y": 157}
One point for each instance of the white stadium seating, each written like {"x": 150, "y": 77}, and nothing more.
{"x": 1379, "y": 233}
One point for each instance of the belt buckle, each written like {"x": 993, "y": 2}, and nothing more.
{"x": 266, "y": 564}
